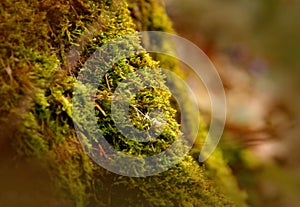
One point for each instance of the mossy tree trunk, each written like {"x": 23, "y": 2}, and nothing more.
{"x": 39, "y": 147}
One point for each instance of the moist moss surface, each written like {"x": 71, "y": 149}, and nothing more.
{"x": 37, "y": 78}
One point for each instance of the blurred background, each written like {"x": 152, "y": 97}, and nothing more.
{"x": 255, "y": 46}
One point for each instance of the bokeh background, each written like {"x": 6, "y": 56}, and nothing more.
{"x": 255, "y": 46}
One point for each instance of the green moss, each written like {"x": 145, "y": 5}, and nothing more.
{"x": 37, "y": 80}
{"x": 157, "y": 19}
{"x": 150, "y": 15}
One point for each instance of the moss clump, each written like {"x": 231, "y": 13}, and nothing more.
{"x": 157, "y": 19}
{"x": 37, "y": 77}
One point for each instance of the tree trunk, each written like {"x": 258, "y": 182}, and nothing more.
{"x": 41, "y": 156}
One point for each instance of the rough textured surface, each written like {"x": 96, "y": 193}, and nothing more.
{"x": 36, "y": 81}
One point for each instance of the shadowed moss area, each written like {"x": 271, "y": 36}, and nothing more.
{"x": 37, "y": 80}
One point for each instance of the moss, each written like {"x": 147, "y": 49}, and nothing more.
{"x": 150, "y": 15}
{"x": 37, "y": 80}
{"x": 157, "y": 19}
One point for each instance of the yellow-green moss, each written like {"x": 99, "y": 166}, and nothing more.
{"x": 36, "y": 83}
{"x": 157, "y": 19}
